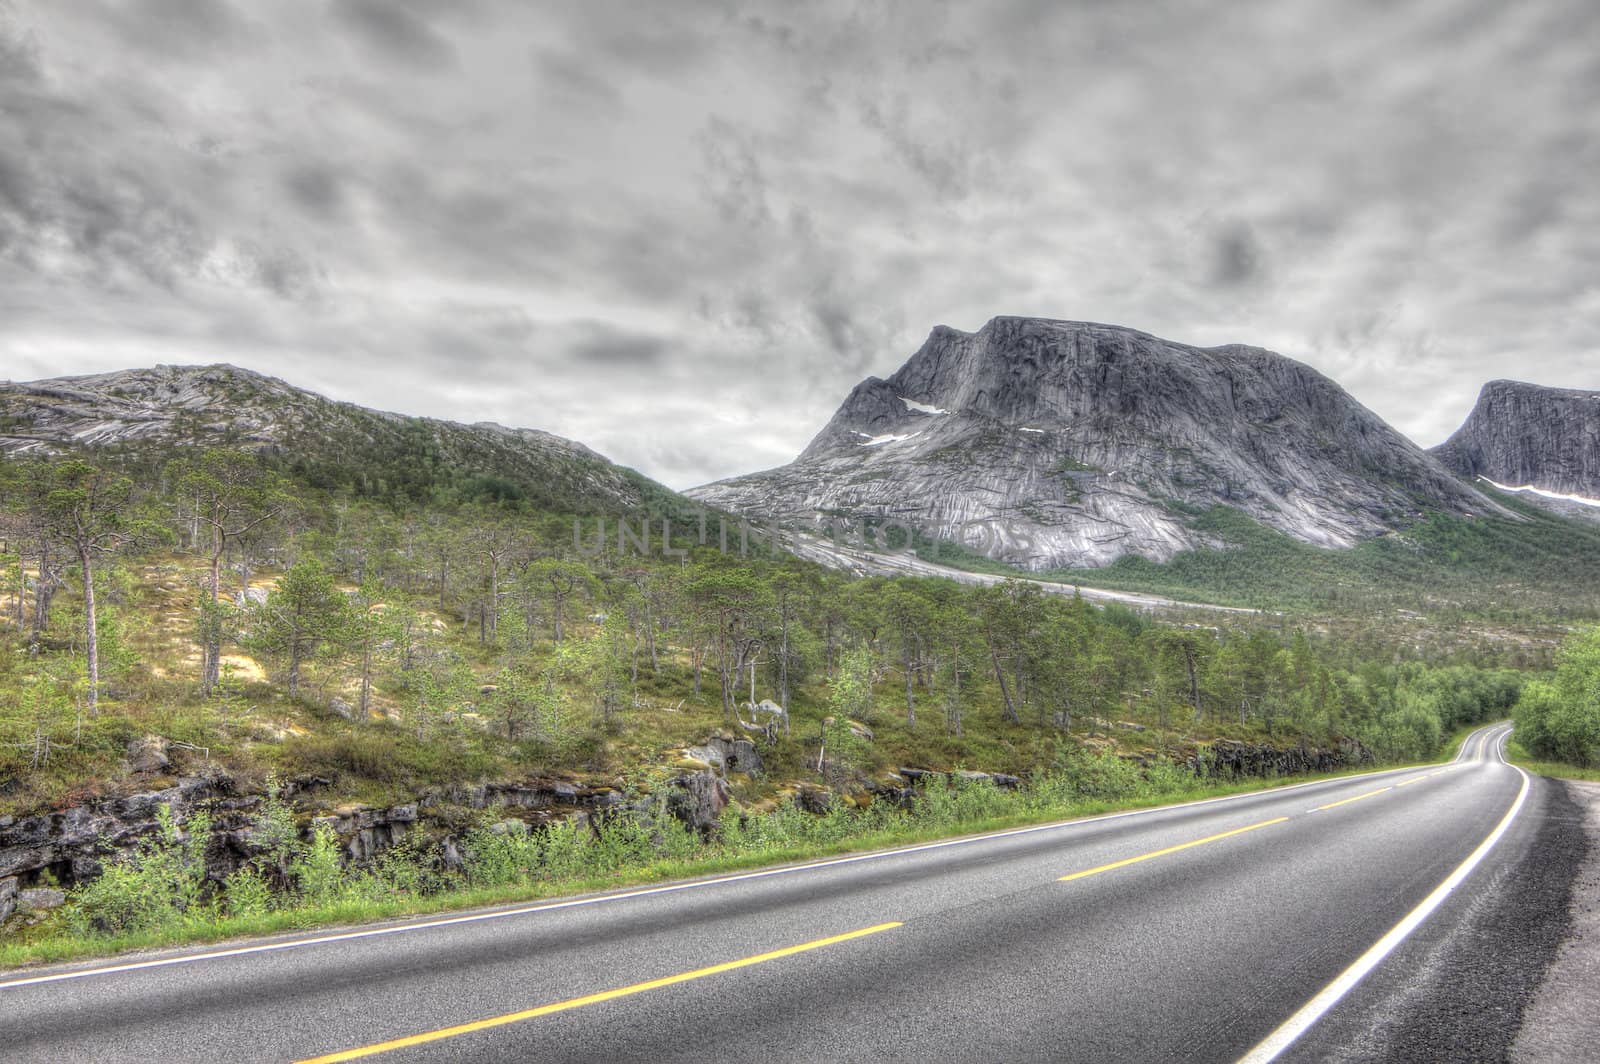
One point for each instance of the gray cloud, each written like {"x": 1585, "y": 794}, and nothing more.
{"x": 392, "y": 30}
{"x": 319, "y": 190}
{"x": 682, "y": 232}
{"x": 1237, "y": 256}
{"x": 19, "y": 54}
{"x": 613, "y": 347}
{"x": 573, "y": 81}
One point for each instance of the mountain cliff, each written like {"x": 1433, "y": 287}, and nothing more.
{"x": 1541, "y": 442}
{"x": 1048, "y": 443}
{"x": 328, "y": 443}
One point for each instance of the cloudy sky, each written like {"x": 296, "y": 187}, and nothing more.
{"x": 680, "y": 232}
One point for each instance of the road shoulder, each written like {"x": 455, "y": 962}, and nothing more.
{"x": 1561, "y": 1023}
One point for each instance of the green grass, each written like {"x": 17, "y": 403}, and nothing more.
{"x": 1554, "y": 769}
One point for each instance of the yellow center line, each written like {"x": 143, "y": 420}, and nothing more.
{"x": 1409, "y": 782}
{"x": 1347, "y": 801}
{"x": 1170, "y": 849}
{"x": 591, "y": 999}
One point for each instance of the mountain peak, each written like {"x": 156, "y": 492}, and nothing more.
{"x": 1046, "y": 442}
{"x": 1531, "y": 438}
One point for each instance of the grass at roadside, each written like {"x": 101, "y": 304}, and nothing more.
{"x": 1556, "y": 769}
{"x": 507, "y": 868}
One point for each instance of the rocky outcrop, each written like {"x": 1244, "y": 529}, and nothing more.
{"x": 1056, "y": 443}
{"x": 899, "y": 787}
{"x": 698, "y": 799}
{"x": 699, "y": 793}
{"x": 1233, "y": 759}
{"x": 725, "y": 754}
{"x": 1543, "y": 443}
{"x": 366, "y": 832}
{"x": 70, "y": 845}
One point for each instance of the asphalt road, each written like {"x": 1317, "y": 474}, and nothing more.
{"x": 1190, "y": 933}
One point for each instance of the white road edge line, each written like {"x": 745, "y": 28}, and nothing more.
{"x": 1302, "y": 1021}
{"x": 500, "y": 914}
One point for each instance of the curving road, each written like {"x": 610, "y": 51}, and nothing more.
{"x": 1210, "y": 931}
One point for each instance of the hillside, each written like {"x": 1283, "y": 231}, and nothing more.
{"x": 1054, "y": 444}
{"x": 404, "y": 665}
{"x": 326, "y": 444}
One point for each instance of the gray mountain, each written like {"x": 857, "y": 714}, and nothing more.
{"x": 330, "y": 443}
{"x": 1541, "y": 442}
{"x": 1049, "y": 443}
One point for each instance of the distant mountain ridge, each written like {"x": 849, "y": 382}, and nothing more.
{"x": 336, "y": 442}
{"x": 1543, "y": 443}
{"x": 1046, "y": 443}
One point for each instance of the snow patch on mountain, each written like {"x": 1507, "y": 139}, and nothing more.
{"x": 1581, "y": 500}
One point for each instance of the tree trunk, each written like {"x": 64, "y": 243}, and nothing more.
{"x": 650, "y": 636}
{"x": 494, "y": 597}
{"x": 43, "y": 591}
{"x": 294, "y": 666}
{"x": 783, "y": 678}
{"x": 91, "y": 630}
{"x": 365, "y": 701}
{"x": 911, "y": 701}
{"x": 1194, "y": 682}
{"x": 1005, "y": 692}
{"x": 211, "y": 621}
{"x": 22, "y": 591}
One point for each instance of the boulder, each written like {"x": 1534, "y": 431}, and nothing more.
{"x": 40, "y": 899}
{"x": 148, "y": 755}
{"x": 724, "y": 755}
{"x": 8, "y": 897}
{"x": 858, "y": 729}
{"x": 698, "y": 799}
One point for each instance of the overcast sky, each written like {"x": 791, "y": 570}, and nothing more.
{"x": 681, "y": 232}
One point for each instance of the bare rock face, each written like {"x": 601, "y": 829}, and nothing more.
{"x": 1543, "y": 443}
{"x": 1049, "y": 443}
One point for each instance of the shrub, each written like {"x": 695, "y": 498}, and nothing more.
{"x": 1560, "y": 719}
{"x": 160, "y": 885}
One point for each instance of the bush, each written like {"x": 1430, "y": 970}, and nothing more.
{"x": 161, "y": 885}
{"x": 1560, "y": 719}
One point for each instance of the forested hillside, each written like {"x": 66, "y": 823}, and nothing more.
{"x": 237, "y": 694}
{"x": 282, "y": 624}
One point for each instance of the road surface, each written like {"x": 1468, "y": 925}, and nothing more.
{"x": 1210, "y": 931}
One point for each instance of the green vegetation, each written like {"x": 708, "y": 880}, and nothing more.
{"x": 1559, "y": 719}
{"x": 1494, "y": 568}
{"x": 1519, "y": 755}
{"x": 368, "y": 633}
